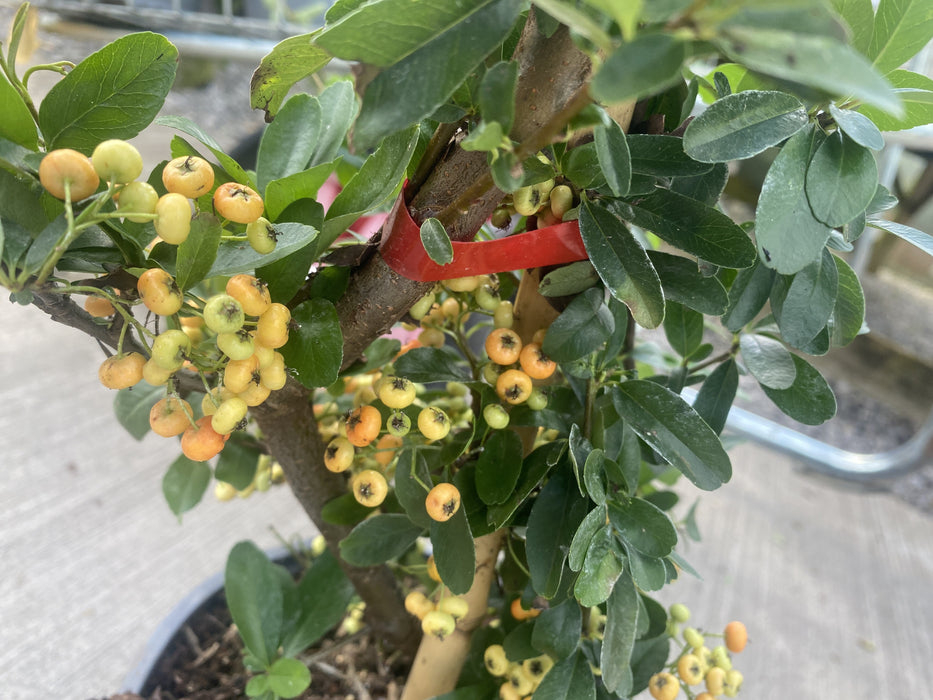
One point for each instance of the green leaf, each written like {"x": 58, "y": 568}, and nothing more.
{"x": 744, "y": 124}
{"x": 714, "y": 400}
{"x": 344, "y": 510}
{"x": 378, "y": 539}
{"x": 580, "y": 543}
{"x": 534, "y": 468}
{"x": 454, "y": 552}
{"x": 132, "y": 406}
{"x": 581, "y": 166}
{"x": 288, "y": 142}
{"x": 236, "y": 463}
{"x": 286, "y": 275}
{"x": 841, "y": 180}
{"x": 315, "y": 348}
{"x": 916, "y": 93}
{"x": 497, "y": 94}
{"x": 486, "y": 136}
{"x": 849, "y": 312}
{"x": 289, "y": 62}
{"x": 923, "y": 241}
{"x": 499, "y": 466}
{"x": 808, "y": 303}
{"x": 860, "y": 16}
{"x": 408, "y": 490}
{"x": 601, "y": 568}
{"x": 638, "y": 68}
{"x": 644, "y": 526}
{"x": 622, "y": 264}
{"x": 568, "y": 679}
{"x": 768, "y": 360}
{"x": 614, "y": 157}
{"x": 662, "y": 156}
{"x": 197, "y": 253}
{"x": 234, "y": 257}
{"x": 706, "y": 188}
{"x": 185, "y": 125}
{"x": 817, "y": 61}
{"x": 289, "y": 678}
{"x": 648, "y": 573}
{"x": 577, "y": 20}
{"x": 568, "y": 280}
{"x": 557, "y": 630}
{"x": 683, "y": 283}
{"x": 902, "y": 28}
{"x": 674, "y": 430}
{"x": 340, "y": 105}
{"x": 691, "y": 226}
{"x": 431, "y": 365}
{"x": 16, "y": 123}
{"x": 809, "y": 400}
{"x": 789, "y": 236}
{"x": 372, "y": 185}
{"x": 323, "y": 595}
{"x": 619, "y": 635}
{"x": 594, "y": 476}
{"x": 184, "y": 484}
{"x": 747, "y": 295}
{"x": 432, "y": 72}
{"x": 683, "y": 329}
{"x": 436, "y": 242}
{"x": 858, "y": 127}
{"x": 739, "y": 77}
{"x": 254, "y": 597}
{"x": 112, "y": 94}
{"x": 555, "y": 516}
{"x": 581, "y": 328}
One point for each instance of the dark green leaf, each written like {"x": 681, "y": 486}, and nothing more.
{"x": 340, "y": 105}
{"x": 581, "y": 166}
{"x": 288, "y": 142}
{"x": 622, "y": 264}
{"x": 691, "y": 226}
{"x": 649, "y": 656}
{"x": 408, "y": 490}
{"x": 534, "y": 468}
{"x": 254, "y": 597}
{"x": 715, "y": 397}
{"x": 644, "y": 526}
{"x": 923, "y": 241}
{"x": 809, "y": 400}
{"x": 858, "y": 127}
{"x": 197, "y": 253}
{"x": 497, "y": 94}
{"x": 344, "y": 510}
{"x": 315, "y": 346}
{"x": 789, "y": 236}
{"x": 648, "y": 572}
{"x": 841, "y": 180}
{"x": 568, "y": 679}
{"x": 184, "y": 484}
{"x": 432, "y": 72}
{"x": 436, "y": 242}
{"x": 768, "y": 360}
{"x": 683, "y": 328}
{"x": 236, "y": 464}
{"x": 557, "y": 630}
{"x": 583, "y": 326}
{"x": 289, "y": 62}
{"x": 741, "y": 125}
{"x": 902, "y": 28}
{"x": 517, "y": 643}
{"x": 916, "y": 93}
{"x": 614, "y": 157}
{"x": 454, "y": 552}
{"x": 645, "y": 65}
{"x": 112, "y": 94}
{"x": 378, "y": 539}
{"x": 499, "y": 466}
{"x": 601, "y": 568}
{"x": 288, "y": 678}
{"x": 662, "y": 156}
{"x": 324, "y": 593}
{"x": 620, "y": 633}
{"x": 675, "y": 431}
{"x": 555, "y": 516}
{"x": 809, "y": 301}
{"x": 747, "y": 296}
{"x": 132, "y": 406}
{"x": 849, "y": 312}
{"x": 580, "y": 543}
{"x": 706, "y": 188}
{"x": 431, "y": 365}
{"x": 569, "y": 279}
{"x": 683, "y": 283}
{"x": 594, "y": 476}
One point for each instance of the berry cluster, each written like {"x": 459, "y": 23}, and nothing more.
{"x": 520, "y": 678}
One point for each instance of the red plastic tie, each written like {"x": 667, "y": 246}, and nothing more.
{"x": 404, "y": 252}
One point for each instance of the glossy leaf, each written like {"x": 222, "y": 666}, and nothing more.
{"x": 789, "y": 236}
{"x": 324, "y": 593}
{"x": 902, "y": 28}
{"x": 441, "y": 65}
{"x": 644, "y": 526}
{"x": 662, "y": 156}
{"x": 691, "y": 226}
{"x": 16, "y": 123}
{"x": 622, "y": 264}
{"x": 858, "y": 127}
{"x": 431, "y": 365}
{"x": 808, "y": 303}
{"x": 289, "y": 141}
{"x": 706, "y": 188}
{"x": 810, "y": 400}
{"x": 614, "y": 157}
{"x": 378, "y": 539}
{"x": 132, "y": 406}
{"x": 619, "y": 635}
{"x": 499, "y": 466}
{"x": 112, "y": 94}
{"x": 841, "y": 180}
{"x": 916, "y": 93}
{"x": 645, "y": 65}
{"x": 747, "y": 295}
{"x": 601, "y": 568}
{"x": 197, "y": 253}
{"x": 923, "y": 241}
{"x": 683, "y": 283}
{"x": 436, "y": 242}
{"x": 683, "y": 329}
{"x": 284, "y": 192}
{"x": 849, "y": 312}
{"x": 580, "y": 543}
{"x": 768, "y": 360}
{"x": 557, "y": 630}
{"x": 184, "y": 484}
{"x": 568, "y": 679}
{"x": 254, "y": 598}
{"x": 581, "y": 328}
{"x": 289, "y": 62}
{"x": 744, "y": 124}
{"x": 716, "y": 395}
{"x": 454, "y": 552}
{"x": 648, "y": 573}
{"x": 594, "y": 476}
{"x": 557, "y": 512}
{"x": 674, "y": 430}
{"x": 315, "y": 343}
